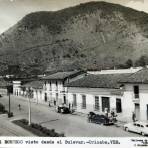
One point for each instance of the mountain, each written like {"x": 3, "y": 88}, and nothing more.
{"x": 92, "y": 35}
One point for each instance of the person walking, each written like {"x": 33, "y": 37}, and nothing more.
{"x": 133, "y": 116}
{"x": 19, "y": 107}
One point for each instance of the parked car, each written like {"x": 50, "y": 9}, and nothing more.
{"x": 139, "y": 127}
{"x": 63, "y": 109}
{"x": 100, "y": 119}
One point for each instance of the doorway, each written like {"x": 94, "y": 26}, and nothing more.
{"x": 137, "y": 110}
{"x": 147, "y": 111}
{"x": 45, "y": 97}
{"x": 105, "y": 103}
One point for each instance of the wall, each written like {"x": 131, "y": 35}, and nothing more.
{"x": 143, "y": 101}
{"x": 16, "y": 88}
{"x": 90, "y": 97}
{"x": 129, "y": 101}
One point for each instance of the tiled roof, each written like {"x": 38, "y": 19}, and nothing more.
{"x": 99, "y": 81}
{"x": 62, "y": 75}
{"x": 138, "y": 77}
{"x": 38, "y": 84}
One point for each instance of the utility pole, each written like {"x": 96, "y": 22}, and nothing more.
{"x": 29, "y": 116}
{"x": 9, "y": 101}
{"x": 29, "y": 94}
{"x": 8, "y": 91}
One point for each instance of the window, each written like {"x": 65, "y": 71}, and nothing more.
{"x": 136, "y": 91}
{"x": 64, "y": 97}
{"x": 97, "y": 108}
{"x": 50, "y": 86}
{"x": 83, "y": 102}
{"x": 74, "y": 100}
{"x": 56, "y": 85}
{"x": 45, "y": 85}
{"x": 118, "y": 105}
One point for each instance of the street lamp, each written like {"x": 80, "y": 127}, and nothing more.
{"x": 9, "y": 86}
{"x": 29, "y": 95}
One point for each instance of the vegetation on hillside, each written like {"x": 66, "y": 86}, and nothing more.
{"x": 94, "y": 35}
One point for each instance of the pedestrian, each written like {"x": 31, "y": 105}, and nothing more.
{"x": 49, "y": 104}
{"x": 19, "y": 107}
{"x": 54, "y": 102}
{"x": 112, "y": 113}
{"x": 133, "y": 116}
{"x": 106, "y": 112}
{"x": 69, "y": 106}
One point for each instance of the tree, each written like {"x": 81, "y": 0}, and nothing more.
{"x": 142, "y": 61}
{"x": 128, "y": 63}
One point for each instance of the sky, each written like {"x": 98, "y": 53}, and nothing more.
{"x": 11, "y": 11}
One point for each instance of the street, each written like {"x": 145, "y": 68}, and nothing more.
{"x": 71, "y": 125}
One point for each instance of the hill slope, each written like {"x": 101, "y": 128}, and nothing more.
{"x": 87, "y": 36}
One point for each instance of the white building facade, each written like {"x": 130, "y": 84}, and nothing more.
{"x": 85, "y": 100}
{"x": 54, "y": 87}
{"x": 97, "y": 93}
{"x": 136, "y": 95}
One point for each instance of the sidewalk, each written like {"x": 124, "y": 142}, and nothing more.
{"x": 7, "y": 128}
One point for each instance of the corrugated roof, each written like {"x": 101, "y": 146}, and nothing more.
{"x": 38, "y": 84}
{"x": 62, "y": 75}
{"x": 99, "y": 81}
{"x": 138, "y": 77}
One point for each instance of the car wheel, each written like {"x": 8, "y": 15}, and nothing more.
{"x": 126, "y": 129}
{"x": 142, "y": 133}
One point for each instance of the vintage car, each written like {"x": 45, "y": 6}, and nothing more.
{"x": 63, "y": 109}
{"x": 101, "y": 119}
{"x": 139, "y": 127}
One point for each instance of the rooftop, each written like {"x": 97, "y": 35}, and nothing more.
{"x": 138, "y": 77}
{"x": 38, "y": 84}
{"x": 62, "y": 75}
{"x": 99, "y": 81}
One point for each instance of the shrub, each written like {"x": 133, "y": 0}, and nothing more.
{"x": 24, "y": 121}
{"x": 38, "y": 129}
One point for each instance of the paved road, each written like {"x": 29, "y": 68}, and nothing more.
{"x": 71, "y": 125}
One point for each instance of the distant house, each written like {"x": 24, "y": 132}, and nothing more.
{"x": 18, "y": 83}
{"x": 37, "y": 90}
{"x": 55, "y": 92}
{"x": 135, "y": 97}
{"x": 97, "y": 93}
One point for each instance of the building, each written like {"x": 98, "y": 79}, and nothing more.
{"x": 135, "y": 97}
{"x": 55, "y": 91}
{"x": 38, "y": 93}
{"x": 96, "y": 93}
{"x": 116, "y": 71}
